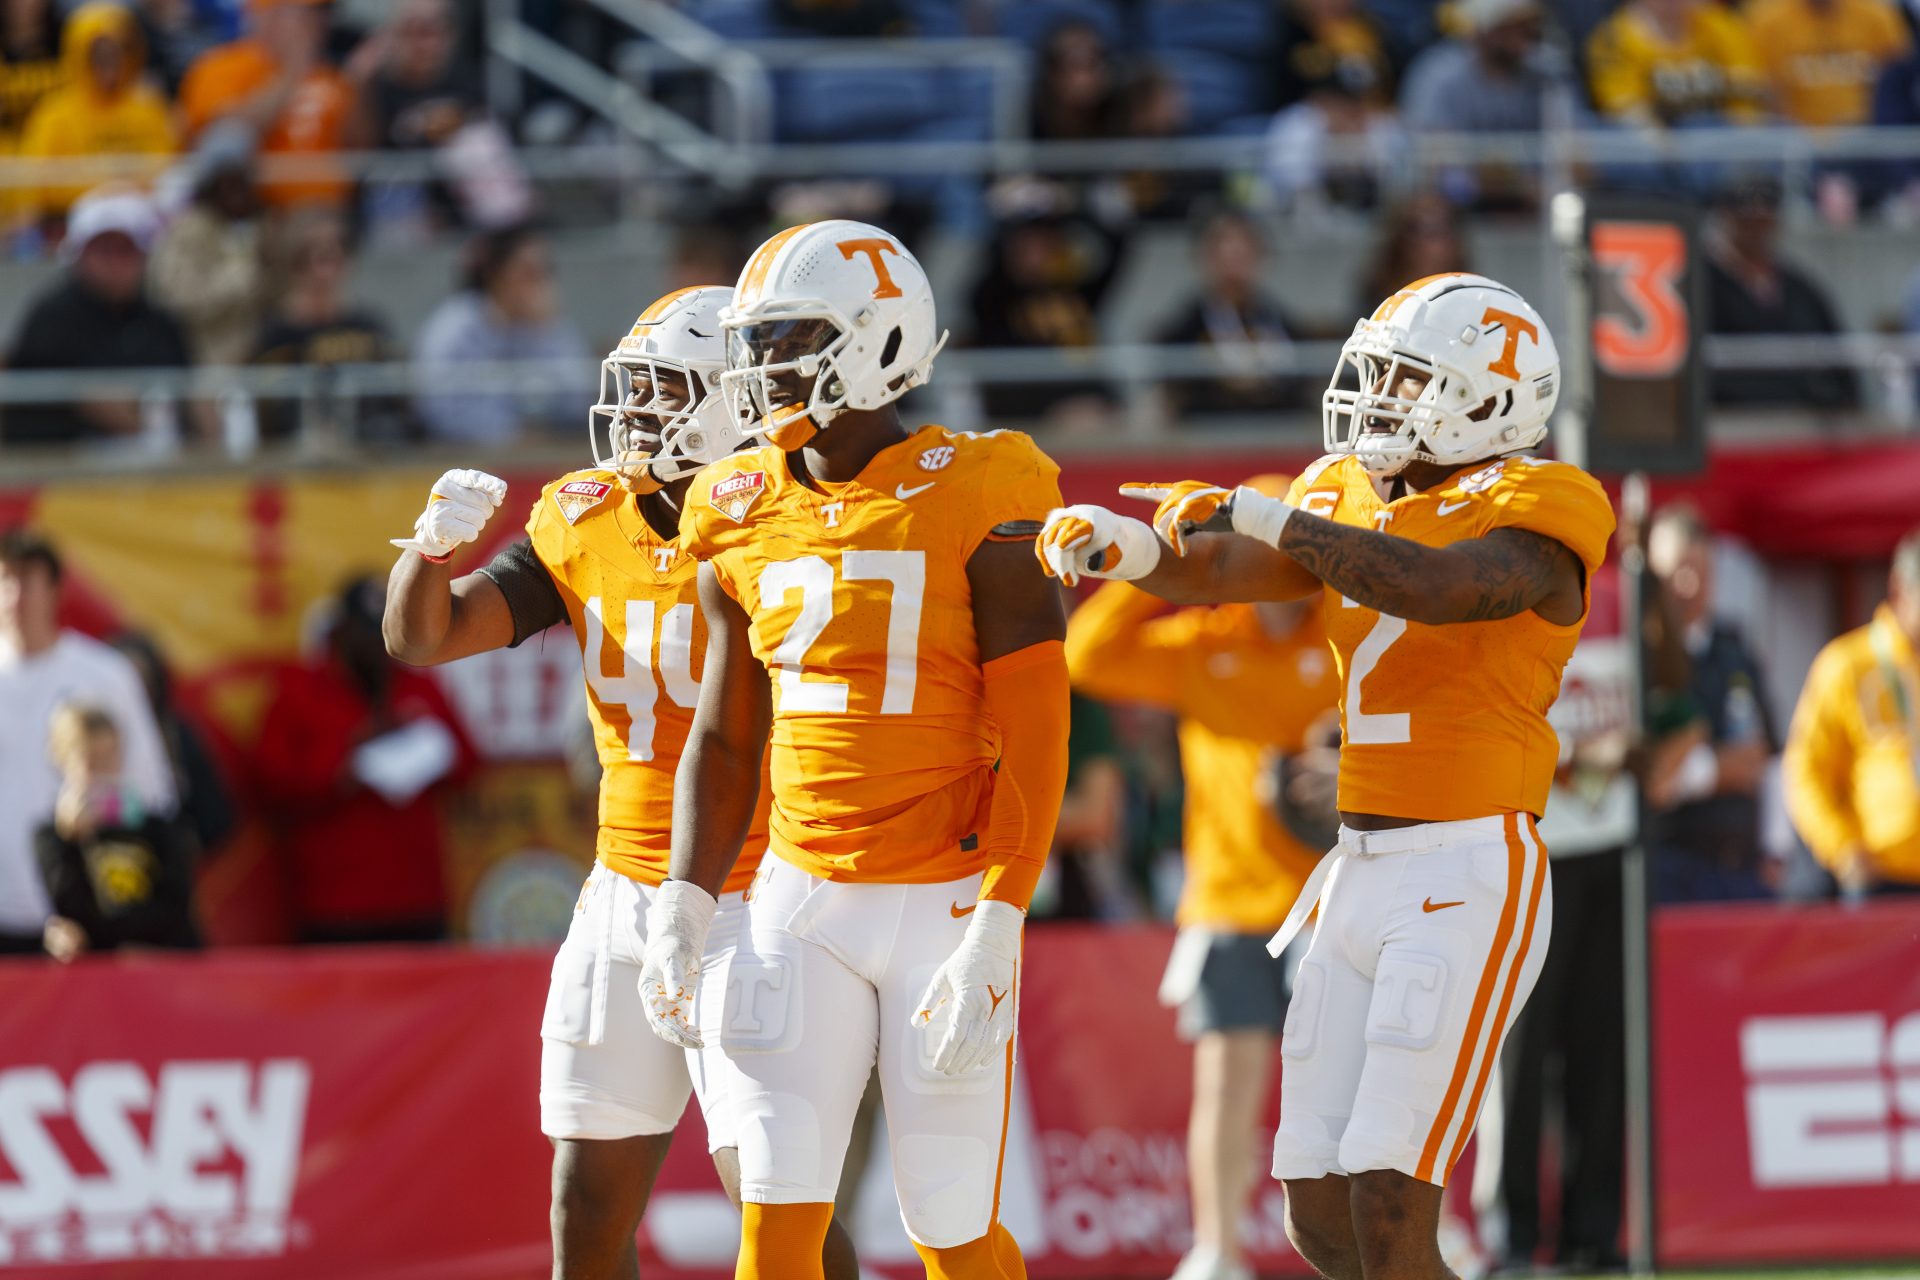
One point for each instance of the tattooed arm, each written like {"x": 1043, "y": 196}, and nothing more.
{"x": 1503, "y": 573}
{"x": 1227, "y": 568}
{"x": 1278, "y": 552}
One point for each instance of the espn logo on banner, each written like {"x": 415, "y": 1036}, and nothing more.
{"x": 1832, "y": 1100}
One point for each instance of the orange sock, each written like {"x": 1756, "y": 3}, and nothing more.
{"x": 782, "y": 1241}
{"x": 994, "y": 1256}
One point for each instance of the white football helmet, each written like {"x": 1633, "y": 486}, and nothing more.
{"x": 826, "y": 316}
{"x": 646, "y": 425}
{"x": 1485, "y": 368}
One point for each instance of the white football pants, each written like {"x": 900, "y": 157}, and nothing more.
{"x": 826, "y": 981}
{"x": 1429, "y": 942}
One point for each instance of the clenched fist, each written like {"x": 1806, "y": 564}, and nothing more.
{"x": 458, "y": 509}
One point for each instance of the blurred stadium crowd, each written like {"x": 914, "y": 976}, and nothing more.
{"x": 269, "y": 162}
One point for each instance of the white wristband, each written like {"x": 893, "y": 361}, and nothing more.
{"x": 1258, "y": 516}
{"x": 1139, "y": 549}
{"x": 996, "y": 926}
{"x": 684, "y": 908}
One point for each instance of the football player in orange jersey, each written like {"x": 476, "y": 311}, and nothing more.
{"x": 1455, "y": 569}
{"x": 1252, "y": 685}
{"x": 872, "y": 602}
{"x": 603, "y": 555}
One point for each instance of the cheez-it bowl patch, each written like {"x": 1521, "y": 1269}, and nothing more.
{"x": 576, "y": 497}
{"x": 734, "y": 496}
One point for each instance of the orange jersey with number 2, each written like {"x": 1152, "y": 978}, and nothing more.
{"x": 1442, "y": 723}
{"x": 862, "y": 612}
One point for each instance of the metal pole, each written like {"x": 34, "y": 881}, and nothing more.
{"x": 1568, "y": 231}
{"x": 1636, "y": 901}
{"x": 502, "y": 77}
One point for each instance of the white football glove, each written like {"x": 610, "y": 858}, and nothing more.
{"x": 677, "y": 925}
{"x": 1092, "y": 542}
{"x": 972, "y": 991}
{"x": 461, "y": 504}
{"x": 1191, "y": 506}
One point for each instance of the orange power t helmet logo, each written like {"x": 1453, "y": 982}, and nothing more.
{"x": 884, "y": 287}
{"x": 1516, "y": 328}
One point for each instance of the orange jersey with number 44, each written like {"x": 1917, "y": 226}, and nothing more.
{"x": 862, "y": 612}
{"x": 1442, "y": 723}
{"x": 631, "y": 597}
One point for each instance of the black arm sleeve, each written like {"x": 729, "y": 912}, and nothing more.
{"x": 532, "y": 598}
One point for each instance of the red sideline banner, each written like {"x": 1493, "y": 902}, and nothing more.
{"x": 1787, "y": 1083}
{"x": 280, "y": 1115}
{"x": 310, "y": 1115}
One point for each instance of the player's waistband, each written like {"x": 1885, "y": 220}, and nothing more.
{"x": 1425, "y": 837}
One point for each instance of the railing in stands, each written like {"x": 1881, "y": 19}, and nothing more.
{"x": 328, "y": 399}
{"x": 669, "y": 136}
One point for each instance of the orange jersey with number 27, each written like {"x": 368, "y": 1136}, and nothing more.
{"x": 862, "y": 612}
{"x": 1442, "y": 723}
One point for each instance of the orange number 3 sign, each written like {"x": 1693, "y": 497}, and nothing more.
{"x": 1647, "y": 260}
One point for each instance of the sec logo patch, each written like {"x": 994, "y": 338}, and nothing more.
{"x": 936, "y": 457}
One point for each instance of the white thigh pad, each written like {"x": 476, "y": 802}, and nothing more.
{"x": 1409, "y": 1002}
{"x": 918, "y": 1041}
{"x": 576, "y": 1009}
{"x": 569, "y": 1012}
{"x": 762, "y": 1008}
{"x": 945, "y": 1185}
{"x": 1306, "y": 1009}
{"x": 782, "y": 1159}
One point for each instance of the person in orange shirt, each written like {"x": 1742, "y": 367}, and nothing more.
{"x": 1454, "y": 571}
{"x": 1254, "y": 687}
{"x": 603, "y": 555}
{"x": 277, "y": 81}
{"x": 872, "y": 603}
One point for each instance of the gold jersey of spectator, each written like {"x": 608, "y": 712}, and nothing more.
{"x": 1824, "y": 59}
{"x": 1852, "y": 766}
{"x": 1642, "y": 74}
{"x": 105, "y": 107}
{"x": 1241, "y": 695}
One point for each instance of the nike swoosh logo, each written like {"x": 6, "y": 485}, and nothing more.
{"x": 997, "y": 997}
{"x": 1431, "y": 905}
{"x": 959, "y": 910}
{"x": 901, "y": 491}
{"x": 1448, "y": 508}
